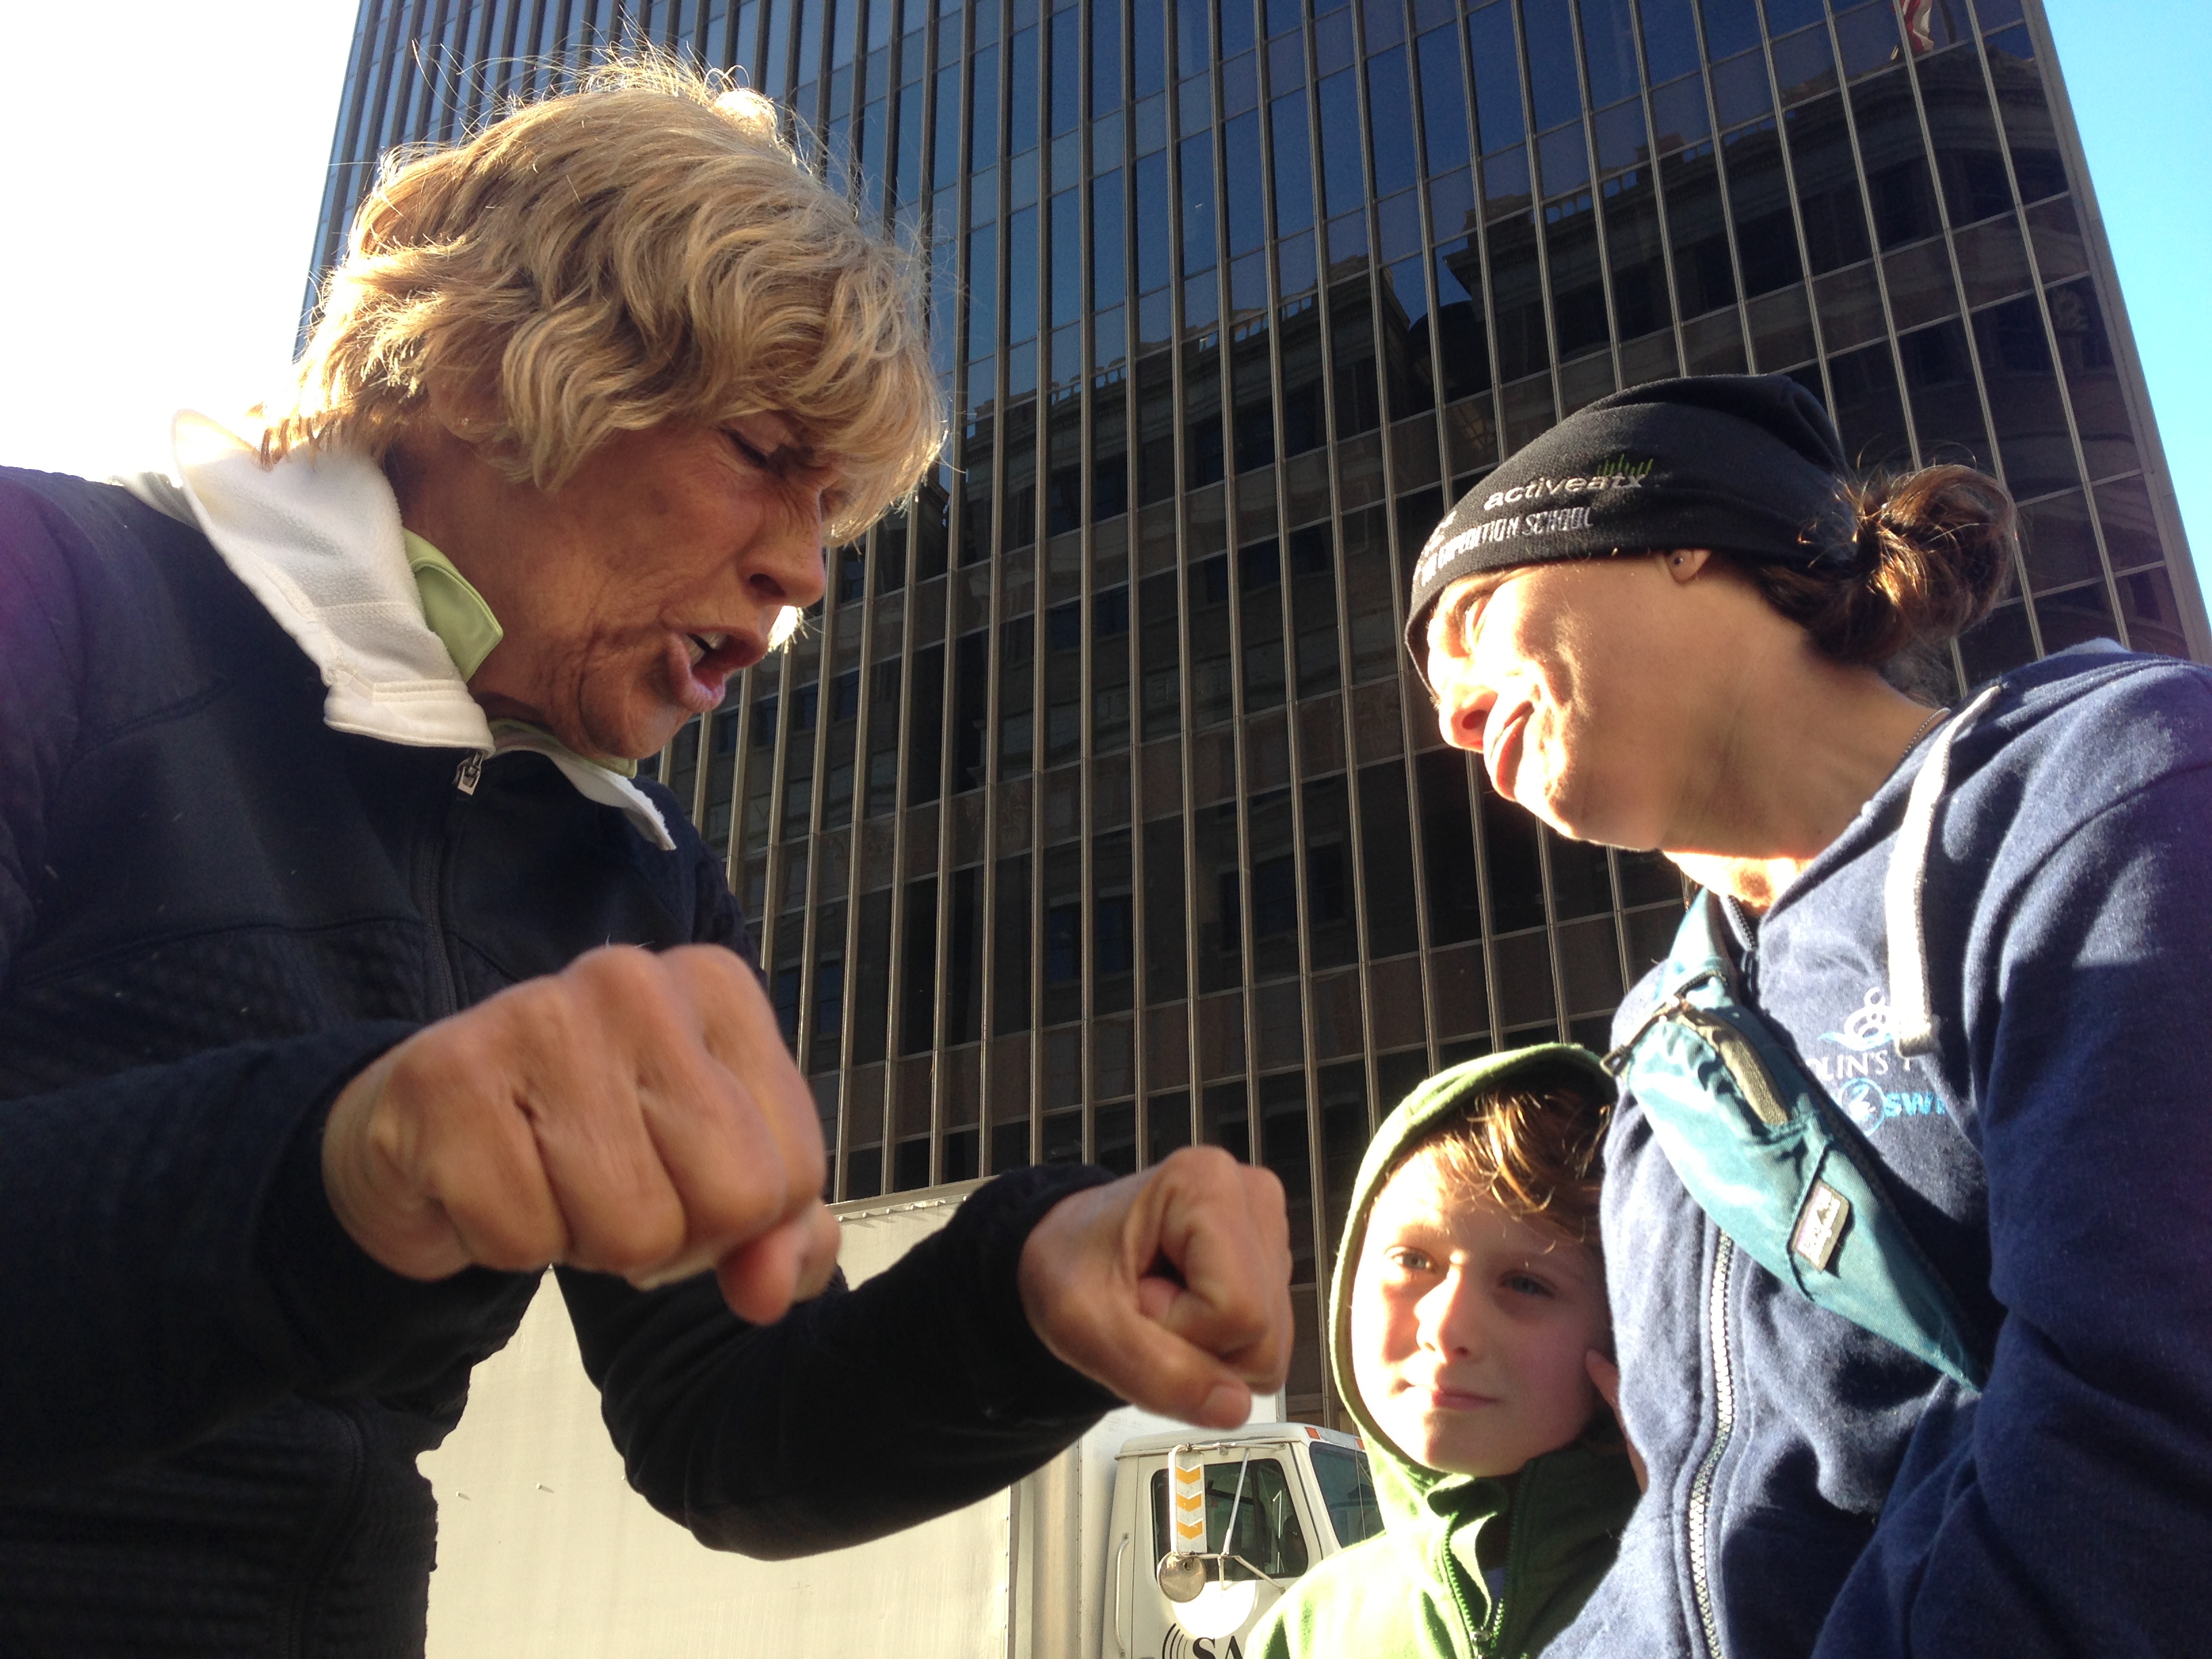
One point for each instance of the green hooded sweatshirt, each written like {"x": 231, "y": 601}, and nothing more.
{"x": 1415, "y": 1589}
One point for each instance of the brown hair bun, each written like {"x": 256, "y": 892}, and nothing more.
{"x": 1935, "y": 553}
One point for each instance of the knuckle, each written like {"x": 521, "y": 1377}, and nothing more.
{"x": 1263, "y": 1180}
{"x": 509, "y": 1237}
{"x": 615, "y": 972}
{"x": 1206, "y": 1164}
{"x": 630, "y": 1236}
{"x": 720, "y": 974}
{"x": 510, "y": 1251}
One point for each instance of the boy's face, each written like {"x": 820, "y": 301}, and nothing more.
{"x": 1469, "y": 1327}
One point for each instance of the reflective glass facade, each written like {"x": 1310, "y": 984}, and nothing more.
{"x": 1096, "y": 812}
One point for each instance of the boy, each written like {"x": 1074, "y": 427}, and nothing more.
{"x": 1469, "y": 1302}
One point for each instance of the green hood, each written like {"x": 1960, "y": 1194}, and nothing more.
{"x": 1569, "y": 1505}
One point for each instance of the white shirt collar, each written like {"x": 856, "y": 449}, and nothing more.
{"x": 316, "y": 539}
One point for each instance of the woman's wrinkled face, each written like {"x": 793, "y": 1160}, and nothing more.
{"x": 1471, "y": 1327}
{"x": 1571, "y": 680}
{"x": 632, "y": 593}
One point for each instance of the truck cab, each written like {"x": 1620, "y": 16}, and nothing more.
{"x": 1239, "y": 1517}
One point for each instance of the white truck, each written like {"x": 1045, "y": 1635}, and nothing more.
{"x": 544, "y": 1551}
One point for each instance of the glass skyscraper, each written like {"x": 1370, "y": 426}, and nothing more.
{"x": 1096, "y": 812}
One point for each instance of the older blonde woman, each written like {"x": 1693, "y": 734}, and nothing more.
{"x": 348, "y": 978}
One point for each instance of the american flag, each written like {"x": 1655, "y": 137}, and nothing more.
{"x": 1919, "y": 30}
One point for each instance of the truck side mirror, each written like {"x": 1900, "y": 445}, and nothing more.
{"x": 1181, "y": 1576}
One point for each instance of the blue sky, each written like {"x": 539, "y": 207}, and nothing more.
{"x": 2139, "y": 74}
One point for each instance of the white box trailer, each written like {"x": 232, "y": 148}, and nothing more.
{"x": 544, "y": 1551}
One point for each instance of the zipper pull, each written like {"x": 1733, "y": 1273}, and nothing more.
{"x": 469, "y": 771}
{"x": 1670, "y": 1006}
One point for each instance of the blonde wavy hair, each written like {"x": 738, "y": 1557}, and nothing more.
{"x": 645, "y": 249}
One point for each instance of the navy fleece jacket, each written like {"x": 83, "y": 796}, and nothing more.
{"x": 213, "y": 910}
{"x": 1815, "y": 1489}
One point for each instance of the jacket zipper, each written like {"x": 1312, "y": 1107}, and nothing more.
{"x": 1446, "y": 1563}
{"x": 1724, "y": 1426}
{"x": 1482, "y": 1635}
{"x": 430, "y": 893}
{"x": 1699, "y": 1511}
{"x": 1741, "y": 1060}
{"x": 1701, "y": 1487}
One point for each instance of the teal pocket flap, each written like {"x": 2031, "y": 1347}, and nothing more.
{"x": 1769, "y": 1157}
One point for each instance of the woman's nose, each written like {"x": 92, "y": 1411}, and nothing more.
{"x": 785, "y": 565}
{"x": 1463, "y": 701}
{"x": 1463, "y": 709}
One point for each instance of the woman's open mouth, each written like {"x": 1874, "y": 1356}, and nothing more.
{"x": 708, "y": 660}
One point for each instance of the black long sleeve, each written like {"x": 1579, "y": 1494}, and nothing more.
{"x": 173, "y": 1265}
{"x": 859, "y": 1412}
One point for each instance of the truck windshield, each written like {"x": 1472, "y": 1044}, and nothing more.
{"x": 1349, "y": 1492}
{"x": 1268, "y": 1531}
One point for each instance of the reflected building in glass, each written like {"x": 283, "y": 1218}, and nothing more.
{"x": 1096, "y": 812}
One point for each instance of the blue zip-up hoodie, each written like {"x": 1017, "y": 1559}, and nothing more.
{"x": 1815, "y": 1489}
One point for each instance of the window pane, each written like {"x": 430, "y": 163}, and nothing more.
{"x": 1066, "y": 71}
{"x": 1492, "y": 50}
{"x": 1731, "y": 26}
{"x": 1554, "y": 87}
{"x": 1343, "y": 176}
{"x": 1517, "y": 293}
{"x": 1827, "y": 185}
{"x": 1639, "y": 271}
{"x": 1198, "y": 253}
{"x": 1702, "y": 275}
{"x": 1947, "y": 411}
{"x": 1448, "y": 848}
{"x": 1444, "y": 101}
{"x": 1105, "y": 55}
{"x": 1152, "y": 242}
{"x": 983, "y": 120}
{"x": 1387, "y": 859}
{"x": 1968, "y": 158}
{"x": 1869, "y": 414}
{"x": 1293, "y": 165}
{"x": 1348, "y": 1493}
{"x": 1609, "y": 50}
{"x": 1165, "y": 974}
{"x": 1670, "y": 38}
{"x": 1758, "y": 191}
{"x": 2093, "y": 376}
{"x": 2032, "y": 440}
{"x": 1148, "y": 56}
{"x": 1578, "y": 279}
{"x": 1392, "y": 133}
{"x": 1240, "y": 147}
{"x": 1463, "y": 331}
{"x": 1903, "y": 199}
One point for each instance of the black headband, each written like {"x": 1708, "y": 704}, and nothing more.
{"x": 1744, "y": 463}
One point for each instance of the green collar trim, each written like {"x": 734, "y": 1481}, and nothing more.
{"x": 463, "y": 623}
{"x": 457, "y": 613}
